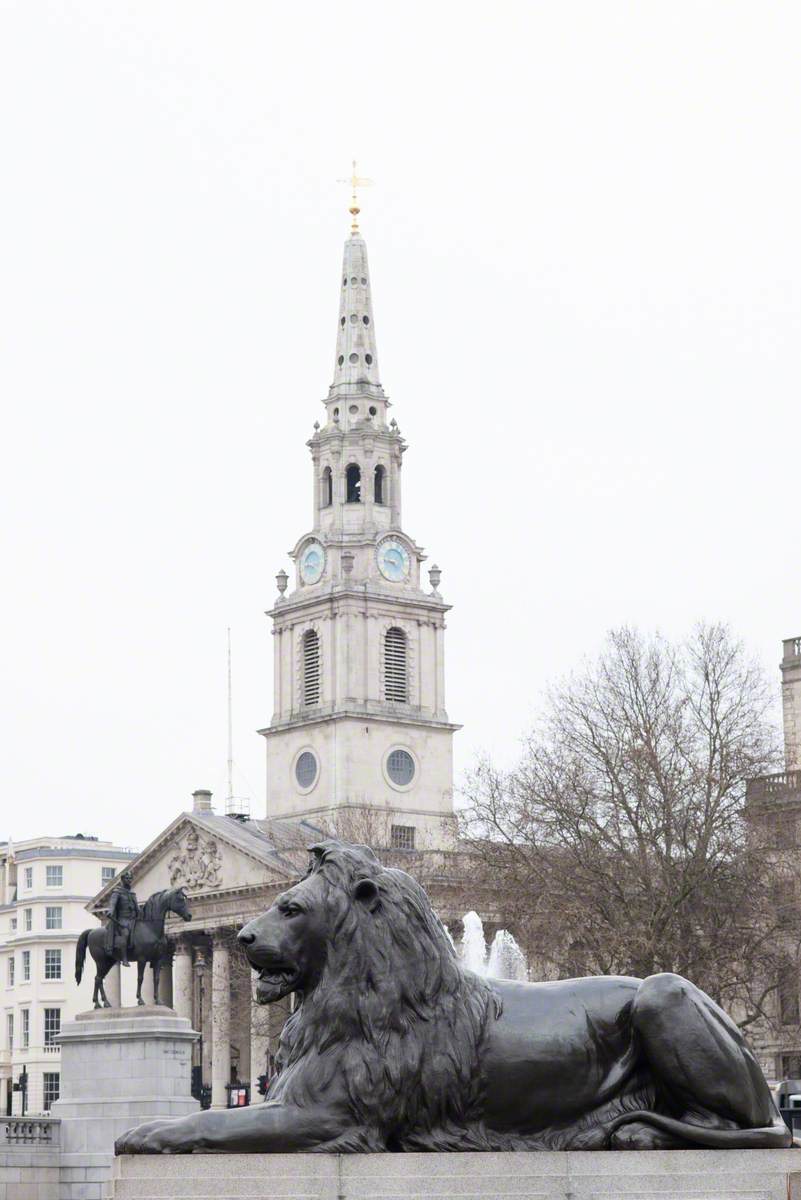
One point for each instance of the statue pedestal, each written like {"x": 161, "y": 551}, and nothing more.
{"x": 542, "y": 1175}
{"x": 119, "y": 1067}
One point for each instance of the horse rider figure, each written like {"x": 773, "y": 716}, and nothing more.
{"x": 123, "y": 910}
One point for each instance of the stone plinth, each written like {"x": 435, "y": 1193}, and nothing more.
{"x": 119, "y": 1067}
{"x": 570, "y": 1175}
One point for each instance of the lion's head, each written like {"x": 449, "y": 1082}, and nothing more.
{"x": 347, "y": 901}
{"x": 383, "y": 995}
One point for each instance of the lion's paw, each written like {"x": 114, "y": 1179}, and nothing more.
{"x": 153, "y": 1137}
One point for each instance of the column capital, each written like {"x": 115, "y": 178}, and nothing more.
{"x": 181, "y": 943}
{"x": 221, "y": 939}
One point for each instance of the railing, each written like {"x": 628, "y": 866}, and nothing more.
{"x": 51, "y": 1048}
{"x": 29, "y": 1131}
{"x": 784, "y": 785}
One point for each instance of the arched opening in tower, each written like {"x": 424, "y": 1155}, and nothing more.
{"x": 353, "y": 480}
{"x": 379, "y": 485}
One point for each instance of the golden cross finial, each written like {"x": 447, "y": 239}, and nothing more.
{"x": 355, "y": 182}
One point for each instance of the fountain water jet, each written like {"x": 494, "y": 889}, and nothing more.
{"x": 474, "y": 948}
{"x": 504, "y": 960}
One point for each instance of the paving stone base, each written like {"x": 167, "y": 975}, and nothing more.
{"x": 630, "y": 1175}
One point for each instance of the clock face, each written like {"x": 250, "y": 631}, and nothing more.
{"x": 312, "y": 563}
{"x": 393, "y": 560}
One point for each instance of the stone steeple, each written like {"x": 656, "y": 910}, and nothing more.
{"x": 356, "y": 378}
{"x": 356, "y": 361}
{"x": 359, "y": 723}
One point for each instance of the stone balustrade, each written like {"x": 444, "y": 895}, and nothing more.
{"x": 783, "y": 787}
{"x": 29, "y": 1131}
{"x": 30, "y": 1158}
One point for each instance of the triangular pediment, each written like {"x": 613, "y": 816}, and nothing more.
{"x": 207, "y": 855}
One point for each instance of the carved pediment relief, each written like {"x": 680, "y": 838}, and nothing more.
{"x": 197, "y": 862}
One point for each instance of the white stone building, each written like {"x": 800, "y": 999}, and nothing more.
{"x": 360, "y": 723}
{"x": 774, "y": 811}
{"x": 45, "y": 885}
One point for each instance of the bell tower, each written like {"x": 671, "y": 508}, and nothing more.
{"x": 360, "y": 734}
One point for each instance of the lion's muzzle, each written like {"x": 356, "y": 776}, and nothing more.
{"x": 277, "y": 976}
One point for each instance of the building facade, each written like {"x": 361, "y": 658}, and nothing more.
{"x": 45, "y": 885}
{"x": 774, "y": 812}
{"x": 360, "y": 728}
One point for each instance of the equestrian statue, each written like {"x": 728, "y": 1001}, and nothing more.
{"x": 133, "y": 932}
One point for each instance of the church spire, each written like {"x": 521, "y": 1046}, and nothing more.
{"x": 356, "y": 359}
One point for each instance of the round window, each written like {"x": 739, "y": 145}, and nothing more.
{"x": 306, "y": 769}
{"x": 400, "y": 767}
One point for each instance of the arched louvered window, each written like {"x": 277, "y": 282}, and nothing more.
{"x": 379, "y": 485}
{"x": 328, "y": 489}
{"x": 396, "y": 673}
{"x": 353, "y": 484}
{"x": 311, "y": 667}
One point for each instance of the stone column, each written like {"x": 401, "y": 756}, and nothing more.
{"x": 165, "y": 984}
{"x": 113, "y": 987}
{"x": 182, "y": 978}
{"x": 791, "y": 703}
{"x": 317, "y": 484}
{"x": 220, "y": 1020}
{"x": 259, "y": 1045}
{"x": 439, "y": 647}
{"x": 147, "y": 985}
{"x": 200, "y": 1004}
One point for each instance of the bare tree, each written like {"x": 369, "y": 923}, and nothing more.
{"x": 620, "y": 839}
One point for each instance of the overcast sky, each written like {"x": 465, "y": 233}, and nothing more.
{"x": 585, "y": 247}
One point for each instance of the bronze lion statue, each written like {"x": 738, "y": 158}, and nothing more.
{"x": 395, "y": 1046}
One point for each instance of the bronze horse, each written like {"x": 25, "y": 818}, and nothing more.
{"x": 147, "y": 945}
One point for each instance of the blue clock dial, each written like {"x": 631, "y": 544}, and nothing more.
{"x": 312, "y": 563}
{"x": 393, "y": 560}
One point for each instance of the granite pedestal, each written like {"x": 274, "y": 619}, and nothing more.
{"x": 570, "y": 1175}
{"x": 119, "y": 1067}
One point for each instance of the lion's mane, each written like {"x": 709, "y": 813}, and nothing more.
{"x": 394, "y": 1016}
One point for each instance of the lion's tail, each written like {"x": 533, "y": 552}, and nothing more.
{"x": 775, "y": 1136}
{"x": 80, "y": 954}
